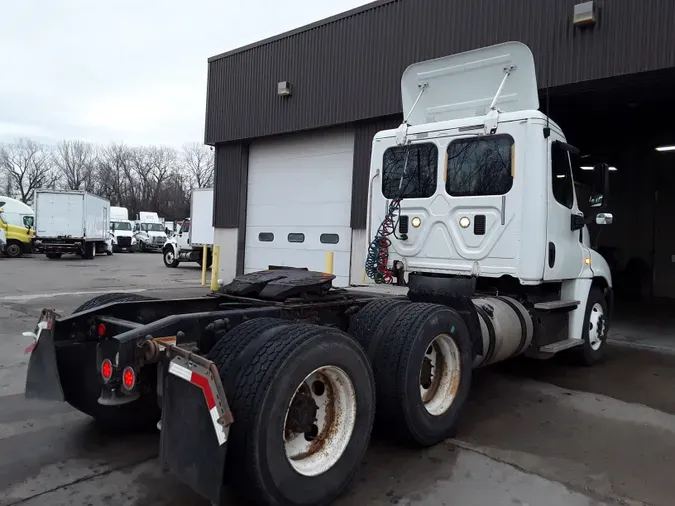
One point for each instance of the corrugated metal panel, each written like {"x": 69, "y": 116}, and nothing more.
{"x": 231, "y": 169}
{"x": 349, "y": 68}
{"x": 363, "y": 141}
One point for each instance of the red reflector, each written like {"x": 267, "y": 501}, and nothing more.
{"x": 101, "y": 329}
{"x": 129, "y": 378}
{"x": 106, "y": 369}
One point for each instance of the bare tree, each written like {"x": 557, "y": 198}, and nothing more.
{"x": 28, "y": 166}
{"x": 76, "y": 161}
{"x": 197, "y": 160}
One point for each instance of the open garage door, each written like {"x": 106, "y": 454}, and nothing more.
{"x": 299, "y": 202}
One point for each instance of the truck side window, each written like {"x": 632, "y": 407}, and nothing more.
{"x": 185, "y": 227}
{"x": 561, "y": 177}
{"x": 410, "y": 171}
{"x": 480, "y": 166}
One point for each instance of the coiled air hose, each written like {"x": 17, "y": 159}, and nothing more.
{"x": 378, "y": 251}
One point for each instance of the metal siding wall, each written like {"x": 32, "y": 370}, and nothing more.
{"x": 231, "y": 168}
{"x": 363, "y": 141}
{"x": 349, "y": 69}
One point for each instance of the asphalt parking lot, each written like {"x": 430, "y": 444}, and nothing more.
{"x": 534, "y": 433}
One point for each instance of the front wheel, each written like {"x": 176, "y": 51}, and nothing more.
{"x": 596, "y": 326}
{"x": 170, "y": 259}
{"x": 14, "y": 249}
{"x": 304, "y": 402}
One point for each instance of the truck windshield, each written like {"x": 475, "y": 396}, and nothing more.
{"x": 480, "y": 166}
{"x": 152, "y": 227}
{"x": 120, "y": 225}
{"x": 410, "y": 171}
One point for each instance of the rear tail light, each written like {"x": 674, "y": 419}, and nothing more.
{"x": 100, "y": 329}
{"x": 129, "y": 378}
{"x": 106, "y": 369}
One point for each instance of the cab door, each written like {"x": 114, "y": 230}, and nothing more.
{"x": 564, "y": 227}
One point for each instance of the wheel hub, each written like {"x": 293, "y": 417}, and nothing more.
{"x": 302, "y": 413}
{"x": 440, "y": 375}
{"x": 319, "y": 421}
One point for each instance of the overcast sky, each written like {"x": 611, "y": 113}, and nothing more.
{"x": 129, "y": 71}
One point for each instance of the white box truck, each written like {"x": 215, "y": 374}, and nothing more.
{"x": 195, "y": 232}
{"x": 71, "y": 221}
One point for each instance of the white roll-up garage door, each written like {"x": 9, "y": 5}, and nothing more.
{"x": 299, "y": 202}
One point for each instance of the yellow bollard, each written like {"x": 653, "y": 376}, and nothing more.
{"x": 214, "y": 268}
{"x": 329, "y": 262}
{"x": 205, "y": 253}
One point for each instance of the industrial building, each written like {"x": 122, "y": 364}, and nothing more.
{"x": 292, "y": 119}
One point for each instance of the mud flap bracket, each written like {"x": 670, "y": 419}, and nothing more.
{"x": 195, "y": 423}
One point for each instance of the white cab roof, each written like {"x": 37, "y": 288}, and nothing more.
{"x": 463, "y": 85}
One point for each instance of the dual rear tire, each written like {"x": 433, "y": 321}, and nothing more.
{"x": 422, "y": 361}
{"x": 303, "y": 399}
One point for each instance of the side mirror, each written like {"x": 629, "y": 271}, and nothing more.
{"x": 600, "y": 191}
{"x": 604, "y": 219}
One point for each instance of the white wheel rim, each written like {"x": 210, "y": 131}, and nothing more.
{"x": 440, "y": 375}
{"x": 169, "y": 257}
{"x": 595, "y": 323}
{"x": 314, "y": 452}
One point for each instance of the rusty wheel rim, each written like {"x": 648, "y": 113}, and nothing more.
{"x": 440, "y": 375}
{"x": 319, "y": 421}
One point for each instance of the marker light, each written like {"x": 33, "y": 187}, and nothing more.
{"x": 106, "y": 370}
{"x": 464, "y": 222}
{"x": 100, "y": 330}
{"x": 128, "y": 378}
{"x": 587, "y": 261}
{"x": 416, "y": 222}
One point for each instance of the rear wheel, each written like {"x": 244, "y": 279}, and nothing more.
{"x": 14, "y": 249}
{"x": 82, "y": 387}
{"x": 364, "y": 324}
{"x": 423, "y": 370}
{"x": 304, "y": 403}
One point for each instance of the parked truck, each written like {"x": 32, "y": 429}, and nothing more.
{"x": 195, "y": 235}
{"x": 17, "y": 221}
{"x": 149, "y": 232}
{"x": 122, "y": 230}
{"x": 269, "y": 385}
{"x": 71, "y": 221}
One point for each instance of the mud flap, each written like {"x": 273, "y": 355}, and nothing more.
{"x": 194, "y": 428}
{"x": 42, "y": 380}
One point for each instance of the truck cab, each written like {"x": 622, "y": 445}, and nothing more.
{"x": 3, "y": 239}
{"x": 17, "y": 222}
{"x": 121, "y": 230}
{"x": 149, "y": 232}
{"x": 477, "y": 184}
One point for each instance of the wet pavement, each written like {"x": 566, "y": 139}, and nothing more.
{"x": 533, "y": 433}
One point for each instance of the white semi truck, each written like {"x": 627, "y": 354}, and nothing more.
{"x": 195, "y": 232}
{"x": 71, "y": 221}
{"x": 149, "y": 232}
{"x": 122, "y": 230}
{"x": 479, "y": 254}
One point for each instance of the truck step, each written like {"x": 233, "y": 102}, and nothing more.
{"x": 561, "y": 345}
{"x": 557, "y": 305}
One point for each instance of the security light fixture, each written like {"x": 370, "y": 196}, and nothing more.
{"x": 284, "y": 89}
{"x": 665, "y": 148}
{"x": 584, "y": 14}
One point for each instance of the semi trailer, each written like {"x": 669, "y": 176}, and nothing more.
{"x": 273, "y": 384}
